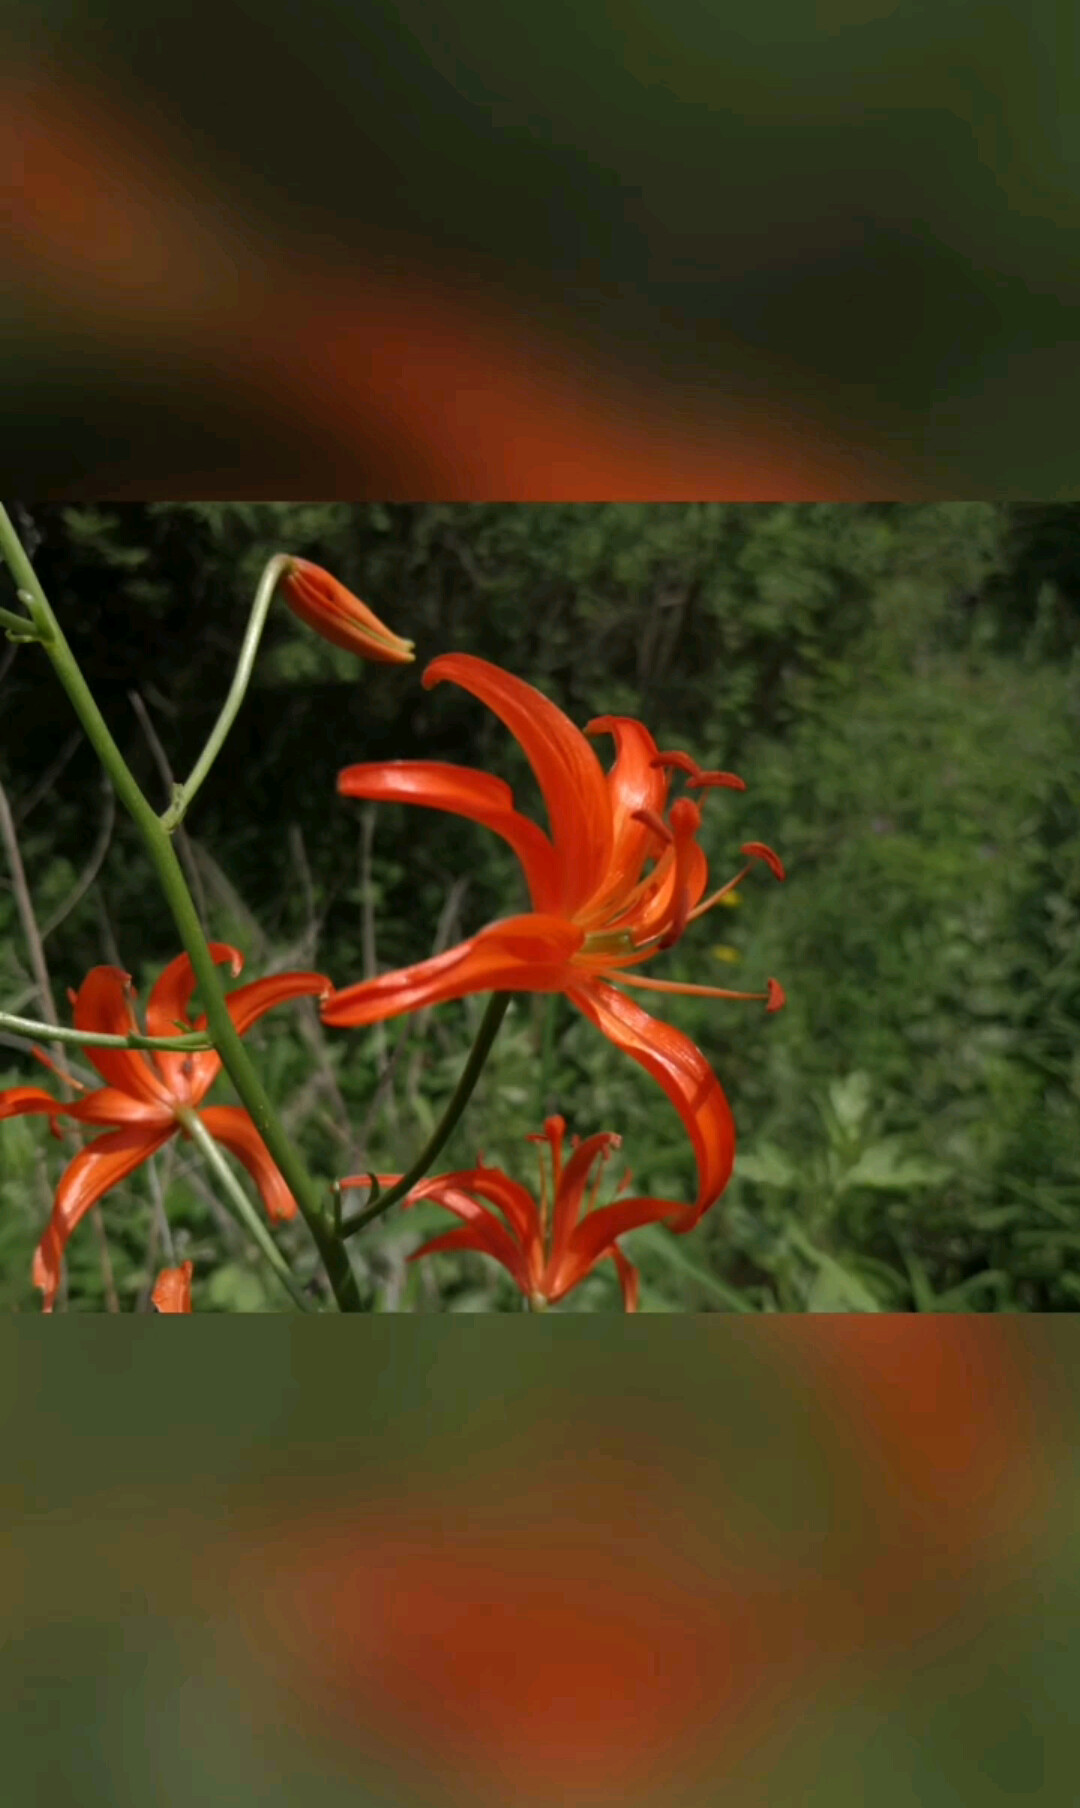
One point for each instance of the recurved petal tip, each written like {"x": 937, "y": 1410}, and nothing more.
{"x": 776, "y": 996}
{"x": 757, "y": 850}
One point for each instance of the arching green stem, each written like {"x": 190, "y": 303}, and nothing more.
{"x": 264, "y": 596}
{"x": 496, "y": 1010}
{"x": 158, "y": 844}
{"x": 241, "y": 1206}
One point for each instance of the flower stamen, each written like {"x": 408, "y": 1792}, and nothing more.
{"x": 757, "y": 851}
{"x": 697, "y": 777}
{"x": 654, "y": 822}
{"x": 773, "y": 998}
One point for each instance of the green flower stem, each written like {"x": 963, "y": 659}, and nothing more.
{"x": 264, "y": 596}
{"x": 242, "y": 1206}
{"x": 25, "y": 1026}
{"x": 19, "y": 627}
{"x": 497, "y": 1007}
{"x": 234, "y": 1056}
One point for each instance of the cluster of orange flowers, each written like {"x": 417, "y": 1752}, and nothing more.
{"x": 619, "y": 878}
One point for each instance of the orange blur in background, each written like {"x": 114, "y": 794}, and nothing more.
{"x": 492, "y": 1563}
{"x": 613, "y": 1620}
{"x": 399, "y": 375}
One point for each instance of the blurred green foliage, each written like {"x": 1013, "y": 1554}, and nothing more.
{"x": 898, "y": 684}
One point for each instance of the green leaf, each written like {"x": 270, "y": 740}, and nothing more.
{"x": 834, "y": 1287}
{"x": 233, "y": 1288}
{"x": 850, "y": 1101}
{"x": 652, "y": 1300}
{"x": 921, "y": 1291}
{"x": 883, "y": 1167}
{"x": 765, "y": 1166}
{"x": 959, "y": 1299}
{"x": 662, "y": 1243}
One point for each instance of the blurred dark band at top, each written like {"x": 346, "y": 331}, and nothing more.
{"x": 319, "y": 256}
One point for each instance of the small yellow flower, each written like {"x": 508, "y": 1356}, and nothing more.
{"x": 722, "y": 952}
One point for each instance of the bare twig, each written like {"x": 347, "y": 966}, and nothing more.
{"x": 160, "y": 1229}
{"x": 183, "y": 844}
{"x": 296, "y": 1112}
{"x": 160, "y": 701}
{"x": 108, "y": 934}
{"x": 445, "y": 930}
{"x": 190, "y": 1172}
{"x": 299, "y": 860}
{"x": 47, "y": 1004}
{"x": 41, "y": 1168}
{"x": 8, "y": 659}
{"x": 49, "y": 777}
{"x": 382, "y": 1086}
{"x": 368, "y": 950}
{"x": 449, "y": 919}
{"x": 93, "y": 866}
{"x": 324, "y": 1079}
{"x": 108, "y": 1279}
{"x": 221, "y": 888}
{"x": 142, "y": 1304}
{"x": 467, "y": 559}
{"x": 159, "y": 1184}
{"x": 25, "y": 908}
{"x": 307, "y": 1017}
{"x": 15, "y": 1004}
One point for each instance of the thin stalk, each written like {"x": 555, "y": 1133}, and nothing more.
{"x": 39, "y": 966}
{"x": 264, "y": 596}
{"x": 234, "y": 1056}
{"x": 496, "y": 1010}
{"x": 242, "y": 1206}
{"x": 19, "y": 627}
{"x": 547, "y": 1049}
{"x": 29, "y": 1027}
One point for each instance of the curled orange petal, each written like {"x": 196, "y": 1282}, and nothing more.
{"x": 104, "y": 1004}
{"x": 519, "y": 954}
{"x": 231, "y": 1126}
{"x": 682, "y": 1070}
{"x": 478, "y": 796}
{"x": 107, "y": 1161}
{"x": 571, "y": 778}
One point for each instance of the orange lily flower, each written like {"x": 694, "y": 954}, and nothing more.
{"x": 172, "y": 1289}
{"x": 335, "y": 613}
{"x": 547, "y": 1250}
{"x": 596, "y": 910}
{"x": 147, "y": 1095}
